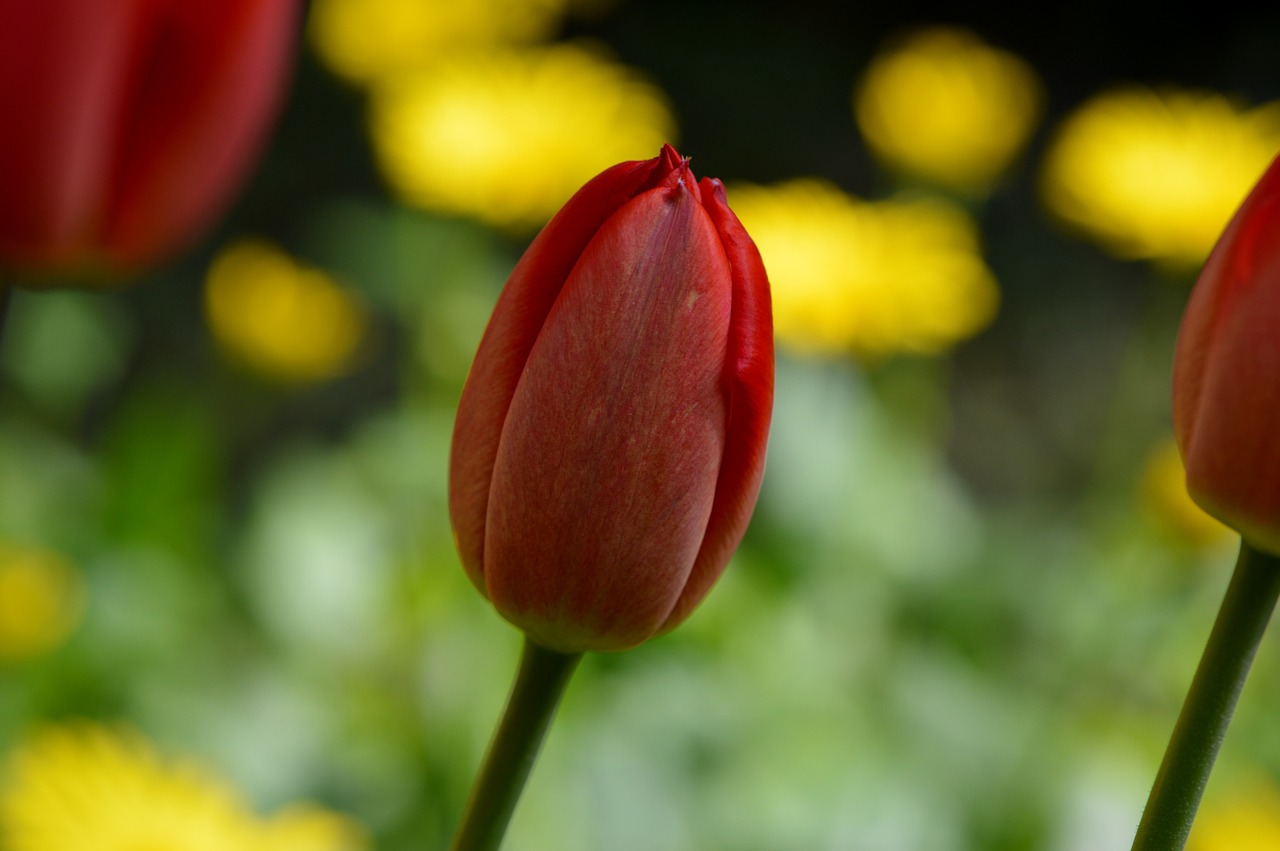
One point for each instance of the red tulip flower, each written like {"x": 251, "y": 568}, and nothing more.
{"x": 611, "y": 436}
{"x": 129, "y": 123}
{"x": 1226, "y": 375}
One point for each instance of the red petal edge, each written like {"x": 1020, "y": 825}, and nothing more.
{"x": 749, "y": 390}
{"x": 1226, "y": 275}
{"x": 1225, "y": 358}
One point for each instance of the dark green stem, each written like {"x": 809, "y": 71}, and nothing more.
{"x": 6, "y": 295}
{"x": 539, "y": 684}
{"x": 1193, "y": 747}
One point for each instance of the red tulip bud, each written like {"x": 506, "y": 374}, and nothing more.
{"x": 611, "y": 435}
{"x": 129, "y": 123}
{"x": 1226, "y": 373}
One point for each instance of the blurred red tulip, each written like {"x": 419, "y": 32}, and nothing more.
{"x": 611, "y": 436}
{"x": 129, "y": 123}
{"x": 1226, "y": 374}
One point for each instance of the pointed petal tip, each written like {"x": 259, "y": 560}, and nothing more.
{"x": 673, "y": 173}
{"x": 715, "y": 186}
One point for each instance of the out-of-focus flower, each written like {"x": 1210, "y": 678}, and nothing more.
{"x": 1226, "y": 373}
{"x": 41, "y": 600}
{"x": 610, "y": 440}
{"x": 1164, "y": 490}
{"x": 508, "y": 136}
{"x": 309, "y": 828}
{"x": 945, "y": 106}
{"x": 875, "y": 278}
{"x": 89, "y": 788}
{"x": 132, "y": 124}
{"x": 283, "y": 319}
{"x": 1157, "y": 175}
{"x": 1241, "y": 822}
{"x": 365, "y": 40}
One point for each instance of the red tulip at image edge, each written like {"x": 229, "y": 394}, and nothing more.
{"x": 1226, "y": 375}
{"x": 130, "y": 123}
{"x": 610, "y": 439}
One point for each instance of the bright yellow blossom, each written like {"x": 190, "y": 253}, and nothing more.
{"x": 1158, "y": 175}
{"x": 365, "y": 40}
{"x": 1164, "y": 487}
{"x": 944, "y": 106}
{"x": 41, "y": 599}
{"x": 507, "y": 137}
{"x": 283, "y": 319}
{"x": 903, "y": 275}
{"x": 88, "y": 788}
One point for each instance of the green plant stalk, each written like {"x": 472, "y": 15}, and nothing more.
{"x": 540, "y": 681}
{"x": 6, "y": 295}
{"x": 1206, "y": 712}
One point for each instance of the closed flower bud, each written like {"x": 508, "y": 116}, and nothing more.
{"x": 129, "y": 124}
{"x": 611, "y": 436}
{"x": 1226, "y": 374}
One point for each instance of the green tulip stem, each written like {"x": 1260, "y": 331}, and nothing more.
{"x": 6, "y": 294}
{"x": 540, "y": 682}
{"x": 1193, "y": 747}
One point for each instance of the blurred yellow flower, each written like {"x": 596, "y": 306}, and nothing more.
{"x": 88, "y": 788}
{"x": 1241, "y": 822}
{"x": 507, "y": 137}
{"x": 903, "y": 275}
{"x": 1164, "y": 490}
{"x": 945, "y": 106}
{"x": 41, "y": 600}
{"x": 1157, "y": 175}
{"x": 308, "y": 828}
{"x": 364, "y": 40}
{"x": 283, "y": 319}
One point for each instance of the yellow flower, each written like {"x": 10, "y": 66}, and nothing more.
{"x": 364, "y": 40}
{"x": 307, "y": 828}
{"x": 41, "y": 599}
{"x": 88, "y": 788}
{"x": 1164, "y": 488}
{"x": 507, "y": 137}
{"x": 903, "y": 275}
{"x": 945, "y": 106}
{"x": 283, "y": 319}
{"x": 1241, "y": 822}
{"x": 1157, "y": 175}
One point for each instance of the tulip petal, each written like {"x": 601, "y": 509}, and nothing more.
{"x": 138, "y": 118}
{"x": 208, "y": 74}
{"x": 63, "y": 67}
{"x": 748, "y": 378}
{"x": 514, "y": 327}
{"x": 1225, "y": 369}
{"x": 617, "y": 427}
